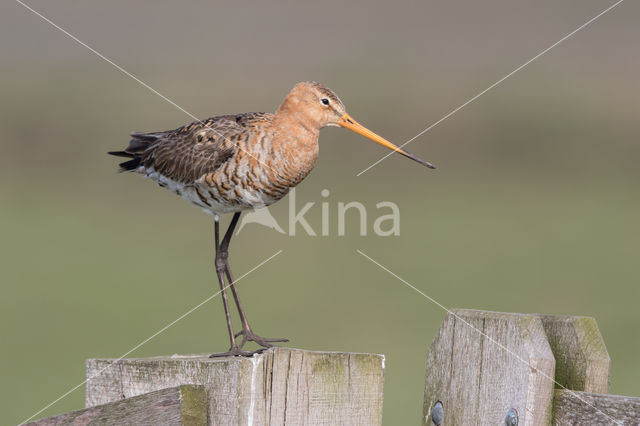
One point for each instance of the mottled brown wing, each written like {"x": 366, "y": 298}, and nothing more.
{"x": 190, "y": 152}
{"x": 187, "y": 153}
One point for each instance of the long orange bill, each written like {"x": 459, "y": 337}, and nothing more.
{"x": 349, "y": 123}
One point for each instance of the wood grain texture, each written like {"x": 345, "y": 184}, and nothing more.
{"x": 182, "y": 405}
{"x": 280, "y": 386}
{"x": 478, "y": 381}
{"x": 582, "y": 360}
{"x": 584, "y": 408}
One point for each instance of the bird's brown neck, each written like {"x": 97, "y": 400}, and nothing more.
{"x": 294, "y": 116}
{"x": 297, "y": 144}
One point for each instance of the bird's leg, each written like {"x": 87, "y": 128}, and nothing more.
{"x": 220, "y": 264}
{"x": 246, "y": 332}
{"x": 224, "y": 252}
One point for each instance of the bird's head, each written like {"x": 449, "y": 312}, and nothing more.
{"x": 312, "y": 104}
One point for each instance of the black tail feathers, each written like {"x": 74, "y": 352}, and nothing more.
{"x": 127, "y": 165}
{"x": 120, "y": 154}
{"x": 137, "y": 146}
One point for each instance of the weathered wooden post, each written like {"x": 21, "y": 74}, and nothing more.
{"x": 521, "y": 369}
{"x": 184, "y": 405}
{"x": 281, "y": 386}
{"x": 582, "y": 360}
{"x": 486, "y": 368}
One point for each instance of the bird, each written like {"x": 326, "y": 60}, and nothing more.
{"x": 229, "y": 164}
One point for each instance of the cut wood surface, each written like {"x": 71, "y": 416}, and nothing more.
{"x": 279, "y": 386}
{"x": 582, "y": 360}
{"x": 182, "y": 405}
{"x": 584, "y": 408}
{"x": 484, "y": 365}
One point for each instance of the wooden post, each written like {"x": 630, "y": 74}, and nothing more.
{"x": 184, "y": 405}
{"x": 582, "y": 375}
{"x": 485, "y": 367}
{"x": 582, "y": 360}
{"x": 280, "y": 386}
{"x": 585, "y": 408}
{"x": 488, "y": 367}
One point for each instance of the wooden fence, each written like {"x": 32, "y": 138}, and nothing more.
{"x": 483, "y": 368}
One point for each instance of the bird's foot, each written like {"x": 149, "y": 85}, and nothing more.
{"x": 236, "y": 351}
{"x": 265, "y": 342}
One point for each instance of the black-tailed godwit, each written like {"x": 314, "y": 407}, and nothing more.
{"x": 231, "y": 163}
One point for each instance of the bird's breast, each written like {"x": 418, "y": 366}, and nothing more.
{"x": 259, "y": 174}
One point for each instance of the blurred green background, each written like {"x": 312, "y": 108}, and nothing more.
{"x": 534, "y": 206}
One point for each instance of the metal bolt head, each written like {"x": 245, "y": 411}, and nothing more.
{"x": 512, "y": 418}
{"x": 437, "y": 413}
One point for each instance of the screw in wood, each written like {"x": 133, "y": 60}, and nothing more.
{"x": 512, "y": 418}
{"x": 437, "y": 413}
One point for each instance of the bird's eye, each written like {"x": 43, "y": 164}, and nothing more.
{"x": 325, "y": 101}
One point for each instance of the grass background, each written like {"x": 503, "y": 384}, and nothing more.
{"x": 533, "y": 208}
